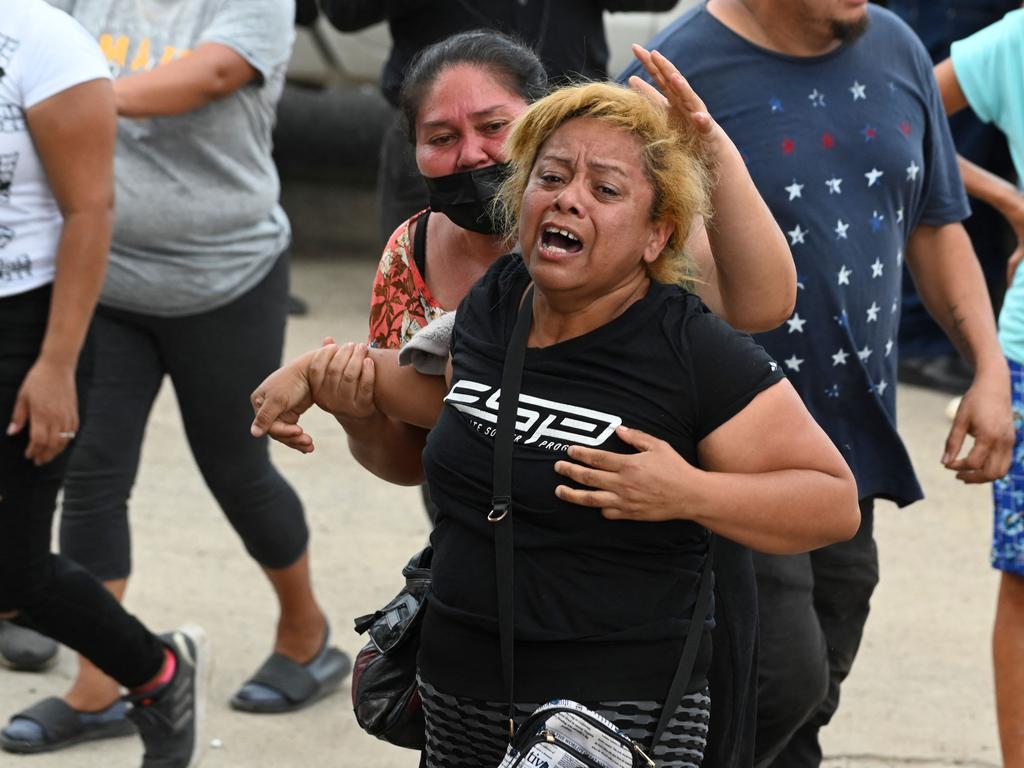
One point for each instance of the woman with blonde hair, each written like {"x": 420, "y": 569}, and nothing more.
{"x": 624, "y": 376}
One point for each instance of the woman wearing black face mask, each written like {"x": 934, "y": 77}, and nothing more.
{"x": 460, "y": 98}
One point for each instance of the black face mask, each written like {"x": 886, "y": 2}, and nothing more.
{"x": 466, "y": 198}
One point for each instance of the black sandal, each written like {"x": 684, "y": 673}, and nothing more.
{"x": 63, "y": 726}
{"x": 290, "y": 685}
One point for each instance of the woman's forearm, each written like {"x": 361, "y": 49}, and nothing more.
{"x": 388, "y": 448}
{"x": 403, "y": 393}
{"x": 752, "y": 269}
{"x": 209, "y": 73}
{"x": 780, "y": 512}
{"x": 81, "y": 266}
{"x": 74, "y": 134}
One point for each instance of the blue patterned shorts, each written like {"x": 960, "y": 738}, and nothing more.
{"x": 1008, "y": 491}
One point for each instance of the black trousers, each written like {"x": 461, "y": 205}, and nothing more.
{"x": 51, "y": 593}
{"x": 214, "y": 359}
{"x": 812, "y": 610}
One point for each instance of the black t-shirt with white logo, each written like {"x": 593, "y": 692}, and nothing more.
{"x": 601, "y": 606}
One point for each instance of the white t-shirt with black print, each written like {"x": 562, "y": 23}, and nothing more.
{"x": 43, "y": 51}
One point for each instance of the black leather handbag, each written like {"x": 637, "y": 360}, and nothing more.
{"x": 384, "y": 693}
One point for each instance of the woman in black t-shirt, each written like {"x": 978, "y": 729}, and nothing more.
{"x": 602, "y": 190}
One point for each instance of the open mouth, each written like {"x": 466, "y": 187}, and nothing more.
{"x": 560, "y": 240}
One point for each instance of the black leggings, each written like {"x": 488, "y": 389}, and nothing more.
{"x": 51, "y": 593}
{"x": 214, "y": 359}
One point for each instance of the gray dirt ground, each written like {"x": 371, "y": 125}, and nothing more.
{"x": 920, "y": 693}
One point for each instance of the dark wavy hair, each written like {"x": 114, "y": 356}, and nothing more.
{"x": 512, "y": 62}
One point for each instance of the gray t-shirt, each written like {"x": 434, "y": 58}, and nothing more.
{"x": 198, "y": 222}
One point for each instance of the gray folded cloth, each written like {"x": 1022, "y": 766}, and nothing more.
{"x": 428, "y": 350}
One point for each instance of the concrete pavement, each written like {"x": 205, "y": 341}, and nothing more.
{"x": 920, "y": 693}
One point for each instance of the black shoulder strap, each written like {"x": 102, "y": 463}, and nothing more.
{"x": 501, "y": 499}
{"x": 419, "y": 244}
{"x": 688, "y": 658}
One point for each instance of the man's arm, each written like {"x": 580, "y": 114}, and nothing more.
{"x": 353, "y": 15}
{"x": 952, "y": 287}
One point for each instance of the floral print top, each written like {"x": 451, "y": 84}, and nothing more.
{"x": 401, "y": 302}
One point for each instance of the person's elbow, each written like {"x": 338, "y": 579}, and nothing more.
{"x": 774, "y": 307}
{"x": 779, "y": 307}
{"x": 225, "y": 78}
{"x": 844, "y": 519}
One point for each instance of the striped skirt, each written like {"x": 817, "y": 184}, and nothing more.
{"x": 467, "y": 733}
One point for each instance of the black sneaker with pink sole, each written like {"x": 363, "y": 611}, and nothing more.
{"x": 170, "y": 720}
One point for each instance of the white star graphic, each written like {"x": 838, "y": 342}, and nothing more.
{"x": 877, "y": 267}
{"x": 865, "y": 353}
{"x": 899, "y": 257}
{"x": 834, "y": 186}
{"x": 873, "y": 312}
{"x": 873, "y": 176}
{"x": 796, "y": 236}
{"x": 817, "y": 98}
{"x": 858, "y": 91}
{"x": 844, "y": 275}
{"x": 839, "y": 358}
{"x": 880, "y": 387}
{"x": 796, "y": 325}
{"x": 794, "y": 363}
{"x": 895, "y": 306}
{"x": 912, "y": 171}
{"x": 888, "y": 347}
{"x": 899, "y": 215}
{"x": 794, "y": 190}
{"x": 840, "y": 230}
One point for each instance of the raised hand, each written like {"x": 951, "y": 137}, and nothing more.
{"x": 674, "y": 93}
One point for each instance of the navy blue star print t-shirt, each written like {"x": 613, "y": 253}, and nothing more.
{"x": 851, "y": 151}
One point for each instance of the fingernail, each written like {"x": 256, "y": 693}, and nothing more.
{"x": 11, "y": 428}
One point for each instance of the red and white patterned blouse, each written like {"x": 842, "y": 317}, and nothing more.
{"x": 401, "y": 302}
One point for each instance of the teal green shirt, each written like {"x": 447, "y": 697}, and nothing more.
{"x": 990, "y": 68}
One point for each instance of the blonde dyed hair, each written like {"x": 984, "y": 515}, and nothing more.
{"x": 673, "y": 159}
